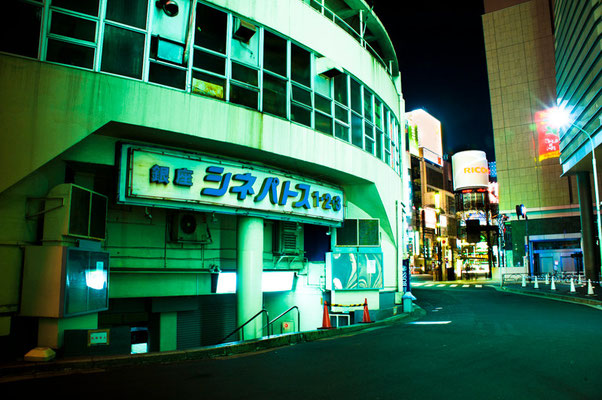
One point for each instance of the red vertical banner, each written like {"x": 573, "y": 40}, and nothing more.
{"x": 547, "y": 137}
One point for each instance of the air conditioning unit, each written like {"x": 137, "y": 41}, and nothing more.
{"x": 289, "y": 238}
{"x": 190, "y": 227}
{"x": 243, "y": 30}
{"x": 72, "y": 210}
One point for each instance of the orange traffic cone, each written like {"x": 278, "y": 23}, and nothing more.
{"x": 326, "y": 318}
{"x": 366, "y": 318}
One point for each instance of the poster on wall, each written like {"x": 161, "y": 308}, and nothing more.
{"x": 355, "y": 270}
{"x": 547, "y": 137}
{"x": 428, "y": 131}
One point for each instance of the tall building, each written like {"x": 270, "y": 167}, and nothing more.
{"x": 432, "y": 237}
{"x": 579, "y": 89}
{"x": 519, "y": 44}
{"x": 173, "y": 169}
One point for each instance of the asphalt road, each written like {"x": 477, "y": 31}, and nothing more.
{"x": 473, "y": 343}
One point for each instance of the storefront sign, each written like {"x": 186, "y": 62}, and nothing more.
{"x": 167, "y": 178}
{"x": 547, "y": 136}
{"x": 470, "y": 170}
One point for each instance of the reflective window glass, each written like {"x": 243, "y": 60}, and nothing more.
{"x": 274, "y": 53}
{"x": 210, "y": 29}
{"x": 131, "y": 12}
{"x": 117, "y": 43}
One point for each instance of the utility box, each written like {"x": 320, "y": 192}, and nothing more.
{"x": 61, "y": 281}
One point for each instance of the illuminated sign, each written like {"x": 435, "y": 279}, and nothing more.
{"x": 427, "y": 129}
{"x": 167, "y": 178}
{"x": 547, "y": 137}
{"x": 430, "y": 218}
{"x": 470, "y": 170}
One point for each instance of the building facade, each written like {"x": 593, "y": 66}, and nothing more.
{"x": 173, "y": 170}
{"x": 579, "y": 91}
{"x": 433, "y": 229}
{"x": 519, "y": 44}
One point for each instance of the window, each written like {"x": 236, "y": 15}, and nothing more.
{"x": 274, "y": 53}
{"x": 20, "y": 28}
{"x": 72, "y": 33}
{"x": 359, "y": 232}
{"x": 274, "y": 91}
{"x": 300, "y": 65}
{"x": 210, "y": 29}
{"x": 117, "y": 43}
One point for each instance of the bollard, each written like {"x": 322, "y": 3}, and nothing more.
{"x": 572, "y": 285}
{"x": 579, "y": 280}
{"x": 553, "y": 287}
{"x": 524, "y": 282}
{"x": 536, "y": 286}
{"x": 590, "y": 289}
{"x": 547, "y": 279}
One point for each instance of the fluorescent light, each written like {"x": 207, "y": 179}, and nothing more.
{"x": 271, "y": 281}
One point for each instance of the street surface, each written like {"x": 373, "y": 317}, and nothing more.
{"x": 474, "y": 343}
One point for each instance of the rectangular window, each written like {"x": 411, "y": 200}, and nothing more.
{"x": 244, "y": 74}
{"x": 244, "y": 96}
{"x": 341, "y": 131}
{"x": 245, "y": 43}
{"x": 20, "y": 28}
{"x": 73, "y": 27}
{"x": 274, "y": 53}
{"x": 323, "y": 123}
{"x": 209, "y": 62}
{"x": 208, "y": 85}
{"x": 89, "y": 7}
{"x": 210, "y": 28}
{"x": 167, "y": 76}
{"x": 356, "y": 96}
{"x": 274, "y": 95}
{"x": 357, "y": 133}
{"x": 70, "y": 54}
{"x": 117, "y": 43}
{"x": 368, "y": 137}
{"x": 368, "y": 105}
{"x": 131, "y": 12}
{"x": 300, "y": 65}
{"x": 340, "y": 89}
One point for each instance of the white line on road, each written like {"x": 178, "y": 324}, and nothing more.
{"x": 430, "y": 322}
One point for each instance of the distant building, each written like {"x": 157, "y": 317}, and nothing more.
{"x": 519, "y": 45}
{"x": 433, "y": 231}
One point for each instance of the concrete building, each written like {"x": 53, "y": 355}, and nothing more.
{"x": 432, "y": 237}
{"x": 579, "y": 90}
{"x": 519, "y": 44}
{"x": 172, "y": 169}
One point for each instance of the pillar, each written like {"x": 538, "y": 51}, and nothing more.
{"x": 249, "y": 295}
{"x": 587, "y": 225}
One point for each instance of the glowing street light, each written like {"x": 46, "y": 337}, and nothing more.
{"x": 559, "y": 118}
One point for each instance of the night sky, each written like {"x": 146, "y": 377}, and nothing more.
{"x": 439, "y": 45}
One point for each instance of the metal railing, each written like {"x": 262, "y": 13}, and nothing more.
{"x": 358, "y": 36}
{"x": 264, "y": 311}
{"x": 298, "y": 327}
{"x": 577, "y": 278}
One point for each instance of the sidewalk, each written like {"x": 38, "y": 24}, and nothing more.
{"x": 20, "y": 370}
{"x": 562, "y": 292}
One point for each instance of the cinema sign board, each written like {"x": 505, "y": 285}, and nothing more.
{"x": 470, "y": 170}
{"x": 175, "y": 179}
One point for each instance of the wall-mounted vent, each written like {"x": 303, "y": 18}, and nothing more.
{"x": 72, "y": 210}
{"x": 289, "y": 238}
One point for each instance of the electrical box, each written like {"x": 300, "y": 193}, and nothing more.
{"x": 61, "y": 281}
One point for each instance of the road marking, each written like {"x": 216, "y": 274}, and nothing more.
{"x": 465, "y": 285}
{"x": 430, "y": 322}
{"x": 453, "y": 285}
{"x": 440, "y": 285}
{"x": 430, "y": 284}
{"x": 478, "y": 285}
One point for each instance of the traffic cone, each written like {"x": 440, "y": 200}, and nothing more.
{"x": 326, "y": 318}
{"x": 553, "y": 287}
{"x": 366, "y": 318}
{"x": 590, "y": 289}
{"x": 572, "y": 286}
{"x": 536, "y": 286}
{"x": 524, "y": 282}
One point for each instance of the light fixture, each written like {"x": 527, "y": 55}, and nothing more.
{"x": 169, "y": 7}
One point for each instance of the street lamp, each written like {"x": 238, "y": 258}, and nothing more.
{"x": 559, "y": 118}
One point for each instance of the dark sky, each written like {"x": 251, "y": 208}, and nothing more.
{"x": 439, "y": 45}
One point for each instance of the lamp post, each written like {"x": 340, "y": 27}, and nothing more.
{"x": 560, "y": 118}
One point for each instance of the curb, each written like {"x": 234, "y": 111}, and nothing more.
{"x": 74, "y": 365}
{"x": 554, "y": 296}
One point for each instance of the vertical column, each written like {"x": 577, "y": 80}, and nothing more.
{"x": 249, "y": 269}
{"x": 587, "y": 225}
